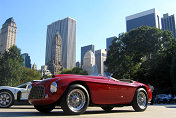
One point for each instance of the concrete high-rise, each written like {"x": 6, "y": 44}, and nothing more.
{"x": 34, "y": 67}
{"x": 8, "y": 35}
{"x": 89, "y": 63}
{"x": 84, "y": 50}
{"x": 147, "y": 18}
{"x": 168, "y": 23}
{"x": 55, "y": 65}
{"x": 26, "y": 60}
{"x": 100, "y": 58}
{"x": 67, "y": 30}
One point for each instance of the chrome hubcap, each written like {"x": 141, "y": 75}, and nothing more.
{"x": 142, "y": 100}
{"x": 76, "y": 100}
{"x": 5, "y": 99}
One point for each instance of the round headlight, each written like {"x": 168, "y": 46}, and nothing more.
{"x": 53, "y": 87}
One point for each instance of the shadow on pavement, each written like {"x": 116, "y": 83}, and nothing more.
{"x": 21, "y": 107}
{"x": 165, "y": 105}
{"x": 170, "y": 106}
{"x": 56, "y": 113}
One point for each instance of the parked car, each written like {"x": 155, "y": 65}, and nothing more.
{"x": 8, "y": 95}
{"x": 163, "y": 98}
{"x": 74, "y": 93}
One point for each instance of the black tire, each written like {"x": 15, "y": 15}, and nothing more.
{"x": 75, "y": 100}
{"x": 140, "y": 100}
{"x": 6, "y": 99}
{"x": 107, "y": 108}
{"x": 44, "y": 108}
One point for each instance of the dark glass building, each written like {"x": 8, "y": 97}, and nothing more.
{"x": 168, "y": 23}
{"x": 147, "y": 18}
{"x": 109, "y": 42}
{"x": 84, "y": 50}
{"x": 26, "y": 60}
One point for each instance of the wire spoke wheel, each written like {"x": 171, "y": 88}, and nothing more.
{"x": 76, "y": 100}
{"x": 142, "y": 100}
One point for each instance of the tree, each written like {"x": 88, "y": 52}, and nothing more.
{"x": 29, "y": 75}
{"x": 75, "y": 70}
{"x": 145, "y": 54}
{"x": 11, "y": 67}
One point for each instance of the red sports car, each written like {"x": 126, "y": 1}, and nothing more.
{"x": 74, "y": 93}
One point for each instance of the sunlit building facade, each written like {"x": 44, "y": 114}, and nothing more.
{"x": 100, "y": 58}
{"x": 8, "y": 35}
{"x": 89, "y": 63}
{"x": 84, "y": 50}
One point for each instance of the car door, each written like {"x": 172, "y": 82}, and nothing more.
{"x": 107, "y": 91}
{"x": 24, "y": 92}
{"x": 120, "y": 92}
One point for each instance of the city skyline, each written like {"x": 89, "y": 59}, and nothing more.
{"x": 94, "y": 23}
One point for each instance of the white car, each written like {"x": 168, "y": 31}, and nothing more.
{"x": 8, "y": 95}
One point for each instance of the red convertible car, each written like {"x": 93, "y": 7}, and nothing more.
{"x": 74, "y": 93}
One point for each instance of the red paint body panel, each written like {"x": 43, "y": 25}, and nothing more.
{"x": 102, "y": 90}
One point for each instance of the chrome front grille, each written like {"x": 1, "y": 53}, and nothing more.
{"x": 37, "y": 92}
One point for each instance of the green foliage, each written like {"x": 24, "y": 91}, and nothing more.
{"x": 11, "y": 71}
{"x": 10, "y": 67}
{"x": 144, "y": 54}
{"x": 75, "y": 70}
{"x": 29, "y": 75}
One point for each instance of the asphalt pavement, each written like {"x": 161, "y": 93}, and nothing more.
{"x": 153, "y": 111}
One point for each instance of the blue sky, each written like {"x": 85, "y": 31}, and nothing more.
{"x": 96, "y": 20}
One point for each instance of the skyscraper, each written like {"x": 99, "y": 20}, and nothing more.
{"x": 26, "y": 60}
{"x": 149, "y": 18}
{"x": 34, "y": 67}
{"x": 100, "y": 58}
{"x": 8, "y": 35}
{"x": 84, "y": 50}
{"x": 109, "y": 42}
{"x": 67, "y": 30}
{"x": 55, "y": 64}
{"x": 168, "y": 23}
{"x": 89, "y": 63}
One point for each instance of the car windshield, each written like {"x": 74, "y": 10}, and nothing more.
{"x": 114, "y": 79}
{"x": 24, "y": 85}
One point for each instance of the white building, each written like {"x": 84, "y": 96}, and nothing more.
{"x": 100, "y": 58}
{"x": 8, "y": 35}
{"x": 45, "y": 71}
{"x": 34, "y": 67}
{"x": 89, "y": 63}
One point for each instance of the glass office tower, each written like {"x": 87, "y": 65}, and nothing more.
{"x": 147, "y": 18}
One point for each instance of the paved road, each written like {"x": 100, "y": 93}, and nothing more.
{"x": 155, "y": 111}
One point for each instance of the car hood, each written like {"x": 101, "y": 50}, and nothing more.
{"x": 9, "y": 87}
